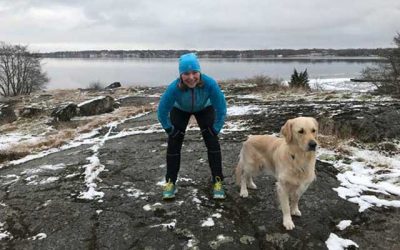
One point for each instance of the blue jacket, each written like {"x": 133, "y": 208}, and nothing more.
{"x": 193, "y": 100}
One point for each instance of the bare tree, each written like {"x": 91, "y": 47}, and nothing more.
{"x": 386, "y": 75}
{"x": 20, "y": 71}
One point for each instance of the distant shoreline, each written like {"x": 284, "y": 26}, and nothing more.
{"x": 276, "y": 59}
{"x": 274, "y": 54}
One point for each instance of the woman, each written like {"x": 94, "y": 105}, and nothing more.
{"x": 193, "y": 93}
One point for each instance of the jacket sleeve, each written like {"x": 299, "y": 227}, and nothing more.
{"x": 217, "y": 99}
{"x": 165, "y": 106}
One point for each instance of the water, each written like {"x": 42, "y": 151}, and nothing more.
{"x": 79, "y": 73}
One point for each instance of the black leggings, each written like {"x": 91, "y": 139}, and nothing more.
{"x": 205, "y": 118}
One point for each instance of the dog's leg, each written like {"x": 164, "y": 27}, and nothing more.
{"x": 250, "y": 182}
{"x": 243, "y": 187}
{"x": 294, "y": 204}
{"x": 283, "y": 196}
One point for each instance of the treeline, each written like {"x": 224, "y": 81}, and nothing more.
{"x": 274, "y": 53}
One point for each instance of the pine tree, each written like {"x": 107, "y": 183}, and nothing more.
{"x": 299, "y": 80}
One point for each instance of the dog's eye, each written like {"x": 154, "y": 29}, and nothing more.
{"x": 301, "y": 131}
{"x": 313, "y": 130}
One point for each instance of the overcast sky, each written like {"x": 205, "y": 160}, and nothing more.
{"x": 52, "y": 25}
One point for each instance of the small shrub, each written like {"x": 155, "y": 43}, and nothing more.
{"x": 299, "y": 80}
{"x": 95, "y": 86}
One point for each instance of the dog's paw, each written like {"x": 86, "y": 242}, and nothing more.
{"x": 288, "y": 224}
{"x": 244, "y": 193}
{"x": 296, "y": 212}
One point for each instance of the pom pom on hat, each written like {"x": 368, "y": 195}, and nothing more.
{"x": 188, "y": 62}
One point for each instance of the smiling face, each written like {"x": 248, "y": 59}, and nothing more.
{"x": 301, "y": 131}
{"x": 191, "y": 78}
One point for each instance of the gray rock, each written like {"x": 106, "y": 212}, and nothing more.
{"x": 96, "y": 106}
{"x": 113, "y": 85}
{"x": 7, "y": 114}
{"x": 65, "y": 112}
{"x": 29, "y": 111}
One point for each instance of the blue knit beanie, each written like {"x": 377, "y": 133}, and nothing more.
{"x": 188, "y": 62}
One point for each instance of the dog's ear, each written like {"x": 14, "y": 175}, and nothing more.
{"x": 286, "y": 131}
{"x": 315, "y": 122}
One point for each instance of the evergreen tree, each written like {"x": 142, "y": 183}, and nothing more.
{"x": 299, "y": 80}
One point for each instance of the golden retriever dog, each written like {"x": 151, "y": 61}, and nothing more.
{"x": 290, "y": 159}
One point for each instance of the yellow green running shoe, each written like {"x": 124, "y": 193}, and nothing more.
{"x": 218, "y": 189}
{"x": 169, "y": 190}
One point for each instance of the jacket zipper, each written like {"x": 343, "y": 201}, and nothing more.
{"x": 192, "y": 99}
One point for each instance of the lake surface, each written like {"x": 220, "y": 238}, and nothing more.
{"x": 80, "y": 73}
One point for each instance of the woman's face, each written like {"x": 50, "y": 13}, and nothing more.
{"x": 191, "y": 78}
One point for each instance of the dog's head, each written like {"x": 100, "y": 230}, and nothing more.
{"x": 301, "y": 131}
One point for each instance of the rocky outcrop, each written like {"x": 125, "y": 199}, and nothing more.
{"x": 100, "y": 105}
{"x": 369, "y": 124}
{"x": 137, "y": 100}
{"x": 55, "y": 216}
{"x": 7, "y": 114}
{"x": 30, "y": 111}
{"x": 65, "y": 112}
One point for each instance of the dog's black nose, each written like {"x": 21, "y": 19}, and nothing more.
{"x": 312, "y": 145}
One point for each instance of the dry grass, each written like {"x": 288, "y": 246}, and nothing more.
{"x": 121, "y": 113}
{"x": 7, "y": 155}
{"x": 66, "y": 131}
{"x": 332, "y": 137}
{"x": 258, "y": 83}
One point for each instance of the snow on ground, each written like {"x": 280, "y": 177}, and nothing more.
{"x": 366, "y": 171}
{"x": 343, "y": 224}
{"x": 341, "y": 84}
{"x": 3, "y": 233}
{"x": 243, "y": 110}
{"x": 8, "y": 140}
{"x": 209, "y": 222}
{"x": 334, "y": 242}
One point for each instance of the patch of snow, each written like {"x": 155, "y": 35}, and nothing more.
{"x": 208, "y": 223}
{"x": 216, "y": 215}
{"x": 234, "y": 126}
{"x": 71, "y": 175}
{"x": 39, "y": 236}
{"x": 341, "y": 84}
{"x": 8, "y": 140}
{"x": 93, "y": 169}
{"x": 185, "y": 179}
{"x": 149, "y": 207}
{"x": 196, "y": 200}
{"x": 14, "y": 178}
{"x": 334, "y": 242}
{"x": 32, "y": 171}
{"x": 91, "y": 100}
{"x": 3, "y": 233}
{"x": 250, "y": 96}
{"x": 243, "y": 110}
{"x": 343, "y": 224}
{"x": 363, "y": 173}
{"x": 135, "y": 193}
{"x": 170, "y": 225}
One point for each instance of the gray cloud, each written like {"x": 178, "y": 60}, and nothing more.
{"x": 49, "y": 25}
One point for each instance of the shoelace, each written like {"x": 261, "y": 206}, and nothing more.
{"x": 218, "y": 184}
{"x": 169, "y": 186}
